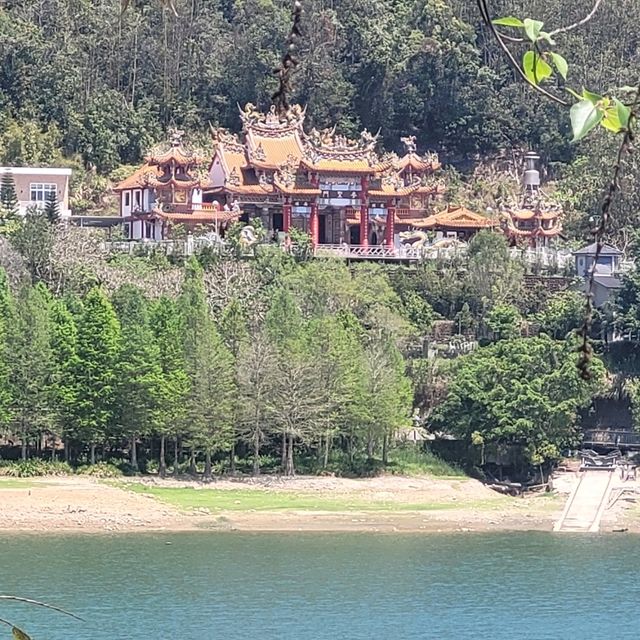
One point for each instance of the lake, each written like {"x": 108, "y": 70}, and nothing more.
{"x": 205, "y": 586}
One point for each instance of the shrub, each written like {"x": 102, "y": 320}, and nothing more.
{"x": 100, "y": 470}
{"x": 34, "y": 468}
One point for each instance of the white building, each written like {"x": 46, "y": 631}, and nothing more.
{"x": 34, "y": 186}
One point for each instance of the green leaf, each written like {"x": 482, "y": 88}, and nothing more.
{"x": 509, "y": 21}
{"x": 19, "y": 634}
{"x": 560, "y": 64}
{"x": 624, "y": 113}
{"x": 584, "y": 117}
{"x": 532, "y": 28}
{"x": 611, "y": 121}
{"x": 592, "y": 97}
{"x": 535, "y": 67}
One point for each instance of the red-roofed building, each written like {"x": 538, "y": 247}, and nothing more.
{"x": 338, "y": 190}
{"x": 168, "y": 191}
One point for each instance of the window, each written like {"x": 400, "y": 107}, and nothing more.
{"x": 148, "y": 230}
{"x": 127, "y": 231}
{"x": 127, "y": 198}
{"x": 41, "y": 191}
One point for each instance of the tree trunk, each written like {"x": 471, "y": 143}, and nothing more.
{"x": 385, "y": 450}
{"x": 370, "y": 445}
{"x": 162, "y": 462}
{"x": 327, "y": 446}
{"x": 256, "y": 453}
{"x": 23, "y": 442}
{"x": 93, "y": 453}
{"x": 283, "y": 458}
{"x": 67, "y": 453}
{"x": 176, "y": 452}
{"x": 192, "y": 463}
{"x": 207, "y": 466}
{"x": 134, "y": 453}
{"x": 290, "y": 470}
{"x": 232, "y": 459}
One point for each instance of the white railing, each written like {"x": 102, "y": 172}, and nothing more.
{"x": 543, "y": 256}
{"x": 379, "y": 252}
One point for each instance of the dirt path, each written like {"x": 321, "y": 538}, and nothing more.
{"x": 78, "y": 504}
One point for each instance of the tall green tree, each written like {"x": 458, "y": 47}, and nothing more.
{"x": 209, "y": 366}
{"x": 64, "y": 390}
{"x": 99, "y": 338}
{"x": 235, "y": 333}
{"x": 388, "y": 394}
{"x": 7, "y": 317}
{"x": 138, "y": 371}
{"x": 31, "y": 368}
{"x": 173, "y": 388}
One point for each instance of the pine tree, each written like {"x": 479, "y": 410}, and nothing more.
{"x": 235, "y": 333}
{"x": 52, "y": 208}
{"x": 95, "y": 373}
{"x": 8, "y": 196}
{"x": 9, "y": 208}
{"x": 166, "y": 324}
{"x": 209, "y": 366}
{"x": 64, "y": 392}
{"x": 7, "y": 312}
{"x": 30, "y": 365}
{"x": 138, "y": 369}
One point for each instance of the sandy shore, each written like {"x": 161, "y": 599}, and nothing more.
{"x": 78, "y": 504}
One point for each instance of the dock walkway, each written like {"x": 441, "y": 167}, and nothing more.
{"x": 588, "y": 501}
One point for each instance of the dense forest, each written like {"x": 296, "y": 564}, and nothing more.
{"x": 272, "y": 361}
{"x": 84, "y": 83}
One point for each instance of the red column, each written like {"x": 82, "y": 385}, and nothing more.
{"x": 286, "y": 216}
{"x": 390, "y": 228}
{"x": 364, "y": 215}
{"x": 314, "y": 226}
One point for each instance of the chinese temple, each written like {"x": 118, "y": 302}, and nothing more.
{"x": 341, "y": 191}
{"x": 168, "y": 191}
{"x": 533, "y": 220}
{"x": 336, "y": 189}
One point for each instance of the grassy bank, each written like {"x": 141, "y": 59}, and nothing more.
{"x": 213, "y": 500}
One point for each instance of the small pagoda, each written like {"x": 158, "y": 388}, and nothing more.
{"x": 168, "y": 190}
{"x": 534, "y": 219}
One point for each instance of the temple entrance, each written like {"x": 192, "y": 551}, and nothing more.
{"x": 322, "y": 229}
{"x": 354, "y": 234}
{"x": 278, "y": 222}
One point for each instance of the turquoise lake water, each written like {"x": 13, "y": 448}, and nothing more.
{"x": 206, "y": 586}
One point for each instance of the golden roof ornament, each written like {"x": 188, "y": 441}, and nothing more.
{"x": 272, "y": 123}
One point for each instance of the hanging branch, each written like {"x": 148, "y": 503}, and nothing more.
{"x": 289, "y": 62}
{"x": 599, "y": 233}
{"x": 575, "y": 25}
{"x": 500, "y": 39}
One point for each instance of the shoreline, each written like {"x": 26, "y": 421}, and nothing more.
{"x": 386, "y": 505}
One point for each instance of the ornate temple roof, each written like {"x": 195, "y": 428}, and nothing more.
{"x": 327, "y": 152}
{"x": 174, "y": 151}
{"x": 411, "y": 161}
{"x": 456, "y": 217}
